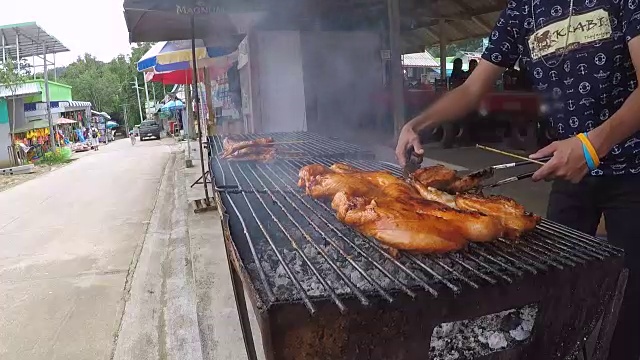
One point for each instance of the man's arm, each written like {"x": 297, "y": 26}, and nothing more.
{"x": 460, "y": 101}
{"x": 505, "y": 45}
{"x": 626, "y": 121}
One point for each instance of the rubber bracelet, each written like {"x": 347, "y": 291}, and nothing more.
{"x": 587, "y": 157}
{"x": 589, "y": 148}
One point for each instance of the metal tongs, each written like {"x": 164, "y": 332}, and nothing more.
{"x": 413, "y": 163}
{"x": 489, "y": 171}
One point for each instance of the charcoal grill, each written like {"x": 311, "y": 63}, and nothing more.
{"x": 322, "y": 291}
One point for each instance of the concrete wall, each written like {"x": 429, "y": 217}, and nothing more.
{"x": 342, "y": 74}
{"x": 20, "y": 119}
{"x": 280, "y": 101}
{"x": 5, "y": 142}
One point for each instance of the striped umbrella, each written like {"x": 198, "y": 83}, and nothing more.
{"x": 176, "y": 55}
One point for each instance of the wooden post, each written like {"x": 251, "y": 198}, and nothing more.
{"x": 211, "y": 122}
{"x": 189, "y": 104}
{"x": 397, "y": 77}
{"x": 443, "y": 49}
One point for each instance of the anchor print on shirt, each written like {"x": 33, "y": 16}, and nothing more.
{"x": 582, "y": 69}
{"x": 570, "y": 105}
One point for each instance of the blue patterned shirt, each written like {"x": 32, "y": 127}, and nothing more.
{"x": 580, "y": 64}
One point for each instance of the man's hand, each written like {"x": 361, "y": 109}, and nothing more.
{"x": 567, "y": 163}
{"x": 408, "y": 139}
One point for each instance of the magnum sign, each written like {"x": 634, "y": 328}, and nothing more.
{"x": 583, "y": 29}
{"x": 204, "y": 7}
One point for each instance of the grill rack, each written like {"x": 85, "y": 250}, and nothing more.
{"x": 304, "y": 144}
{"x": 268, "y": 192}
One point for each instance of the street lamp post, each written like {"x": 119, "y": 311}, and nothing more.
{"x": 138, "y": 95}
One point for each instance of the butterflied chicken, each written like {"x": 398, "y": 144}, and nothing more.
{"x": 442, "y": 178}
{"x": 232, "y": 147}
{"x": 397, "y": 225}
{"x": 511, "y": 215}
{"x": 388, "y": 190}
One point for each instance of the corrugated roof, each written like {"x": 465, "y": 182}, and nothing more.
{"x": 464, "y": 19}
{"x": 31, "y": 88}
{"x": 423, "y": 59}
{"x": 31, "y": 38}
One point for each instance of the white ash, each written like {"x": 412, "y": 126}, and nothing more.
{"x": 484, "y": 335}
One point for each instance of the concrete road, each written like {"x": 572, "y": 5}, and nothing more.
{"x": 67, "y": 242}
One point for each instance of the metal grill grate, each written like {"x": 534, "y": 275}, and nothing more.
{"x": 303, "y": 144}
{"x": 296, "y": 250}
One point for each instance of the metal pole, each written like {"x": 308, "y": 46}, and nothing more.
{"x": 397, "y": 78}
{"x": 138, "y": 94}
{"x": 4, "y": 49}
{"x": 52, "y": 137}
{"x": 196, "y": 116}
{"x": 33, "y": 65}
{"x": 55, "y": 72}
{"x": 126, "y": 121}
{"x": 153, "y": 88}
{"x": 146, "y": 92}
{"x": 18, "y": 50}
{"x": 443, "y": 50}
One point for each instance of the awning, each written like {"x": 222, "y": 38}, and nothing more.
{"x": 164, "y": 20}
{"x": 61, "y": 121}
{"x": 101, "y": 114}
{"x": 423, "y": 59}
{"x": 79, "y": 104}
{"x": 41, "y": 124}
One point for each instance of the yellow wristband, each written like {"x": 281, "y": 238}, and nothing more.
{"x": 592, "y": 151}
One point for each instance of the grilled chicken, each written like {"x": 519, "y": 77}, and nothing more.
{"x": 515, "y": 219}
{"x": 511, "y": 215}
{"x": 396, "y": 224}
{"x": 254, "y": 154}
{"x": 231, "y": 147}
{"x": 383, "y": 187}
{"x": 442, "y": 178}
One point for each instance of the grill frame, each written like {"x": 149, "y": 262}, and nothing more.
{"x": 312, "y": 319}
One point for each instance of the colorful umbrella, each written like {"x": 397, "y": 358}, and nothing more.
{"x": 176, "y": 55}
{"x": 112, "y": 124}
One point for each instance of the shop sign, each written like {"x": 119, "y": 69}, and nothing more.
{"x": 205, "y": 7}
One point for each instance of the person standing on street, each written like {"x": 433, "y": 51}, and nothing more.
{"x": 132, "y": 137}
{"x": 581, "y": 56}
{"x": 95, "y": 138}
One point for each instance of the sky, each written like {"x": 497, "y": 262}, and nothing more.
{"x": 84, "y": 26}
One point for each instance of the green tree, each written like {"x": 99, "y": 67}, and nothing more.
{"x": 13, "y": 77}
{"x": 108, "y": 85}
{"x": 453, "y": 49}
